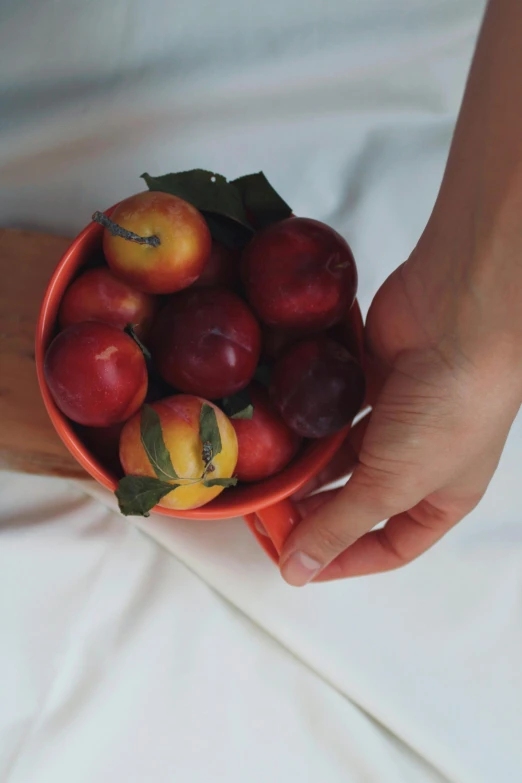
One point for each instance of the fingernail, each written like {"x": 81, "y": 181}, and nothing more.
{"x": 299, "y": 569}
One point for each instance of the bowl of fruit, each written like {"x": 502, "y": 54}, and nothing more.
{"x": 199, "y": 350}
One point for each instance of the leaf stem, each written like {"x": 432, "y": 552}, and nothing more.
{"x": 188, "y": 482}
{"x": 118, "y": 231}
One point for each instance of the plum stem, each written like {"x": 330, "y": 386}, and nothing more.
{"x": 118, "y": 231}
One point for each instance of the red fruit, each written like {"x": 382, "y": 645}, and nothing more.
{"x": 299, "y": 274}
{"x": 206, "y": 342}
{"x": 96, "y": 374}
{"x": 275, "y": 342}
{"x": 344, "y": 333}
{"x": 266, "y": 444}
{"x": 221, "y": 269}
{"x": 184, "y": 245}
{"x": 98, "y": 295}
{"x": 317, "y": 387}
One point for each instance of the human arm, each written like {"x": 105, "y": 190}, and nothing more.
{"x": 444, "y": 335}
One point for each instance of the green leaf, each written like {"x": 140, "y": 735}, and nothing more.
{"x": 207, "y": 191}
{"x": 262, "y": 202}
{"x": 209, "y": 430}
{"x": 245, "y": 413}
{"x": 238, "y": 406}
{"x": 129, "y": 329}
{"x": 220, "y": 482}
{"x": 154, "y": 445}
{"x": 228, "y": 232}
{"x": 138, "y": 494}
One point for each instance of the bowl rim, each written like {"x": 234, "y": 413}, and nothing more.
{"x": 311, "y": 461}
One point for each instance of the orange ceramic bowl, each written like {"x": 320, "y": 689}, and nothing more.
{"x": 267, "y": 501}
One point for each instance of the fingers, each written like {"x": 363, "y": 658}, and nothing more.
{"x": 334, "y": 526}
{"x": 310, "y": 505}
{"x": 400, "y": 541}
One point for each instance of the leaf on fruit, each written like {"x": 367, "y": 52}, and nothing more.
{"x": 209, "y": 432}
{"x": 137, "y": 495}
{"x": 262, "y": 202}
{"x": 154, "y": 445}
{"x": 220, "y": 482}
{"x": 205, "y": 190}
{"x": 238, "y": 406}
{"x": 129, "y": 329}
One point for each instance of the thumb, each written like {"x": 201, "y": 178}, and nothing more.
{"x": 403, "y": 458}
{"x": 337, "y": 524}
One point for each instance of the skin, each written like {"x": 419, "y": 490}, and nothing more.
{"x": 444, "y": 337}
{"x": 179, "y": 416}
{"x": 185, "y": 243}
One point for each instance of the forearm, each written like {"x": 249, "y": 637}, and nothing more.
{"x": 476, "y": 227}
{"x": 484, "y": 171}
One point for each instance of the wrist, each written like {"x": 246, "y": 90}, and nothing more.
{"x": 467, "y": 284}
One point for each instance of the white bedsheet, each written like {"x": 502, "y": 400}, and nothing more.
{"x": 179, "y": 654}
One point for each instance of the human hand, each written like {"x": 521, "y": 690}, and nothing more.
{"x": 441, "y": 416}
{"x": 444, "y": 334}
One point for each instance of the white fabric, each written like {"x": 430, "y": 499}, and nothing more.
{"x": 120, "y": 663}
{"x": 180, "y": 655}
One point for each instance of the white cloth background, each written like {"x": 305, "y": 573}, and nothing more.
{"x": 180, "y": 655}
